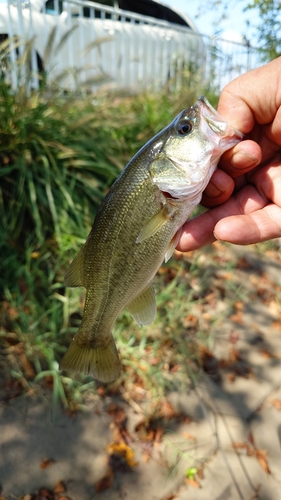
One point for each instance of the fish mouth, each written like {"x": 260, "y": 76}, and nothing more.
{"x": 227, "y": 135}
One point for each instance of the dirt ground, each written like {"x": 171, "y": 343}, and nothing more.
{"x": 219, "y": 440}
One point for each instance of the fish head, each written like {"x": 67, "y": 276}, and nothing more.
{"x": 192, "y": 146}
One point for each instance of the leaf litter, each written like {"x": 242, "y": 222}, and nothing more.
{"x": 251, "y": 450}
{"x": 221, "y": 287}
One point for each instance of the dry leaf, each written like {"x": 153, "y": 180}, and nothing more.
{"x": 277, "y": 404}
{"x": 158, "y": 435}
{"x": 192, "y": 482}
{"x": 105, "y": 482}
{"x": 276, "y": 325}
{"x": 266, "y": 353}
{"x": 200, "y": 473}
{"x": 237, "y": 318}
{"x": 262, "y": 458}
{"x": 146, "y": 457}
{"x": 189, "y": 436}
{"x": 27, "y": 366}
{"x": 59, "y": 488}
{"x": 44, "y": 494}
{"x": 252, "y": 451}
{"x": 123, "y": 450}
{"x": 166, "y": 410}
{"x": 118, "y": 414}
{"x": 47, "y": 462}
{"x": 242, "y": 446}
{"x": 231, "y": 377}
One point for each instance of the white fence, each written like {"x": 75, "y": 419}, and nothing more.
{"x": 82, "y": 45}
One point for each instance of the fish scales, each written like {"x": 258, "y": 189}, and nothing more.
{"x": 137, "y": 224}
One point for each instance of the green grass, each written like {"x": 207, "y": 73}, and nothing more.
{"x": 59, "y": 154}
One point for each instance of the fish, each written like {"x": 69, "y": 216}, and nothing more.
{"x": 137, "y": 226}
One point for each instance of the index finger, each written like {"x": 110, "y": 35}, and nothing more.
{"x": 241, "y": 159}
{"x": 252, "y": 97}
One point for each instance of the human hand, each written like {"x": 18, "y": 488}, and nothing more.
{"x": 244, "y": 194}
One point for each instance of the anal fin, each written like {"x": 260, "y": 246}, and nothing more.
{"x": 75, "y": 273}
{"x": 143, "y": 307}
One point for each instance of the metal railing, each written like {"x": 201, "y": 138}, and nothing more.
{"x": 79, "y": 44}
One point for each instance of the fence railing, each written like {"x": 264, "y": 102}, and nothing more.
{"x": 79, "y": 45}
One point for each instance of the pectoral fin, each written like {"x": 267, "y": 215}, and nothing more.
{"x": 153, "y": 225}
{"x": 172, "y": 245}
{"x": 143, "y": 307}
{"x": 75, "y": 273}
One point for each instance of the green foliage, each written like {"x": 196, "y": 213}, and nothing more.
{"x": 269, "y": 28}
{"x": 59, "y": 154}
{"x": 191, "y": 472}
{"x": 53, "y": 166}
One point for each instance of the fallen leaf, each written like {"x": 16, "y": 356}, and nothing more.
{"x": 49, "y": 381}
{"x": 59, "y": 488}
{"x": 251, "y": 438}
{"x": 262, "y": 458}
{"x": 47, "y": 462}
{"x": 123, "y": 450}
{"x": 117, "y": 413}
{"x": 166, "y": 410}
{"x": 276, "y": 325}
{"x": 158, "y": 435}
{"x": 146, "y": 457}
{"x": 210, "y": 364}
{"x": 237, "y": 318}
{"x": 252, "y": 451}
{"x": 266, "y": 353}
{"x": 119, "y": 417}
{"x": 241, "y": 446}
{"x": 101, "y": 391}
{"x": 233, "y": 337}
{"x": 200, "y": 473}
{"x": 192, "y": 482}
{"x": 43, "y": 494}
{"x": 231, "y": 377}
{"x": 189, "y": 436}
{"x": 190, "y": 320}
{"x": 27, "y": 367}
{"x": 277, "y": 404}
{"x": 105, "y": 482}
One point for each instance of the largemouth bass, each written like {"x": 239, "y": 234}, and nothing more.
{"x": 137, "y": 226}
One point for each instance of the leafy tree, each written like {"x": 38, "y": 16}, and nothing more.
{"x": 269, "y": 27}
{"x": 267, "y": 31}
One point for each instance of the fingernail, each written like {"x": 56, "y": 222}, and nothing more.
{"x": 241, "y": 157}
{"x": 212, "y": 190}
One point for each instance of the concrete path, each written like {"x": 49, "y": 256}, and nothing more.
{"x": 232, "y": 436}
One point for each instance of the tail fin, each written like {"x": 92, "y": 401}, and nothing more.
{"x": 100, "y": 362}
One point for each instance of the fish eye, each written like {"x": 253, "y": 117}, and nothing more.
{"x": 184, "y": 128}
